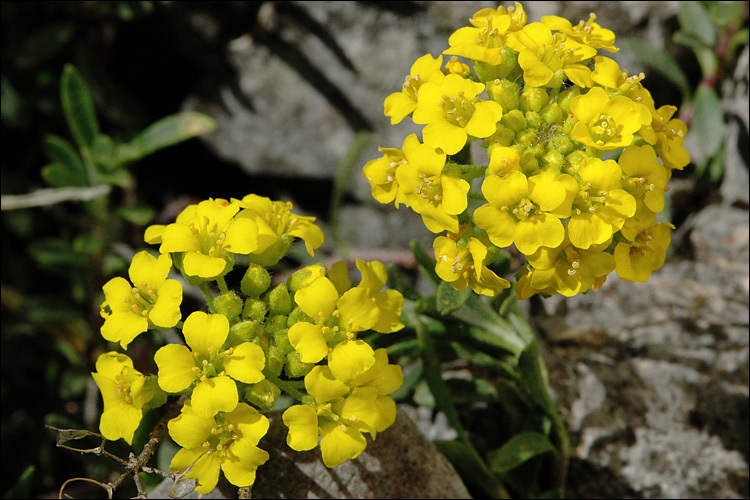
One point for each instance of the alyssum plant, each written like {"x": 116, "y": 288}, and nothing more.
{"x": 576, "y": 165}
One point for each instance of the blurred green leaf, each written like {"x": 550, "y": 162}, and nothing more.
{"x": 43, "y": 44}
{"x": 11, "y": 99}
{"x": 425, "y": 261}
{"x": 54, "y": 253}
{"x": 739, "y": 39}
{"x": 708, "y": 60}
{"x": 59, "y": 175}
{"x": 723, "y": 13}
{"x": 519, "y": 449}
{"x": 449, "y": 299}
{"x": 121, "y": 178}
{"x": 493, "y": 329}
{"x": 22, "y": 486}
{"x": 167, "y": 132}
{"x": 708, "y": 120}
{"x": 140, "y": 215}
{"x": 78, "y": 106}
{"x": 534, "y": 377}
{"x": 423, "y": 395}
{"x": 660, "y": 61}
{"x": 61, "y": 151}
{"x": 104, "y": 152}
{"x": 695, "y": 21}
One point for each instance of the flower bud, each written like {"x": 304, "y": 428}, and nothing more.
{"x": 503, "y": 92}
{"x": 245, "y": 331}
{"x": 564, "y": 98}
{"x": 305, "y": 276}
{"x": 503, "y": 137}
{"x": 294, "y": 367}
{"x": 256, "y": 281}
{"x": 533, "y": 99}
{"x": 274, "y": 361}
{"x": 281, "y": 341}
{"x": 514, "y": 120}
{"x": 279, "y": 300}
{"x": 230, "y": 305}
{"x": 276, "y": 324}
{"x": 552, "y": 113}
{"x": 576, "y": 159}
{"x": 255, "y": 309}
{"x": 563, "y": 144}
{"x": 456, "y": 67}
{"x": 553, "y": 158}
{"x": 264, "y": 394}
{"x": 529, "y": 163}
{"x": 534, "y": 119}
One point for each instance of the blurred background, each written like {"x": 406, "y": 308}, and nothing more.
{"x": 652, "y": 378}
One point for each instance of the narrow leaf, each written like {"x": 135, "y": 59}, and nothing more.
{"x": 708, "y": 120}
{"x": 521, "y": 448}
{"x": 695, "y": 20}
{"x": 61, "y": 151}
{"x": 169, "y": 131}
{"x": 534, "y": 378}
{"x": 78, "y": 106}
{"x": 59, "y": 175}
{"x": 449, "y": 299}
{"x": 471, "y": 469}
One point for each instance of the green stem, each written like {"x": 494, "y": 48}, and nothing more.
{"x": 443, "y": 401}
{"x": 469, "y": 172}
{"x": 209, "y": 297}
{"x": 222, "y": 284}
{"x": 288, "y": 387}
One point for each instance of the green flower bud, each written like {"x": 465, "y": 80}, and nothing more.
{"x": 274, "y": 361}
{"x": 514, "y": 120}
{"x": 279, "y": 300}
{"x": 575, "y": 159}
{"x": 305, "y": 276}
{"x": 276, "y": 324}
{"x": 296, "y": 316}
{"x": 264, "y": 394}
{"x": 529, "y": 163}
{"x": 281, "y": 341}
{"x": 294, "y": 367}
{"x": 552, "y": 113}
{"x": 245, "y": 331}
{"x": 503, "y": 92}
{"x": 563, "y": 144}
{"x": 534, "y": 119}
{"x": 256, "y": 281}
{"x": 255, "y": 309}
{"x": 533, "y": 99}
{"x": 230, "y": 305}
{"x": 554, "y": 159}
{"x": 504, "y": 137}
{"x": 527, "y": 137}
{"x": 564, "y": 98}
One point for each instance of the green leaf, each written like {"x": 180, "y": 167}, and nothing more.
{"x": 521, "y": 448}
{"x": 22, "y": 486}
{"x": 534, "y": 378}
{"x": 44, "y": 44}
{"x": 660, "y": 61}
{"x": 708, "y": 120}
{"x": 61, "y": 151}
{"x": 167, "y": 132}
{"x": 723, "y": 13}
{"x": 492, "y": 328}
{"x": 78, "y": 106}
{"x": 104, "y": 153}
{"x": 472, "y": 470}
{"x": 449, "y": 299}
{"x": 55, "y": 253}
{"x": 121, "y": 178}
{"x": 59, "y": 175}
{"x": 695, "y": 20}
{"x": 12, "y": 105}
{"x": 426, "y": 263}
{"x": 140, "y": 215}
{"x": 708, "y": 59}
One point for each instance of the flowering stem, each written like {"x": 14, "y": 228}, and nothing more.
{"x": 222, "y": 284}
{"x": 287, "y": 387}
{"x": 208, "y": 295}
{"x": 469, "y": 172}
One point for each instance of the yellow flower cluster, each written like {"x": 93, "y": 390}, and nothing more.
{"x": 578, "y": 156}
{"x": 248, "y": 347}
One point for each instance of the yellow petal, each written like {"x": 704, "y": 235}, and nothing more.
{"x": 175, "y": 364}
{"x": 350, "y": 358}
{"x": 303, "y": 427}
{"x": 308, "y": 341}
{"x": 246, "y": 363}
{"x": 340, "y": 443}
{"x": 205, "y": 333}
{"x": 120, "y": 421}
{"x": 317, "y": 300}
{"x": 323, "y": 386}
{"x": 214, "y": 395}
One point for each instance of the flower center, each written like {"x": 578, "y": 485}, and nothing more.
{"x": 457, "y": 109}
{"x": 603, "y": 129}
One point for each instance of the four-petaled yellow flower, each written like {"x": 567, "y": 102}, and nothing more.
{"x": 464, "y": 265}
{"x": 151, "y": 300}
{"x": 125, "y": 393}
{"x": 381, "y": 173}
{"x": 208, "y": 234}
{"x": 401, "y": 104}
{"x": 588, "y": 33}
{"x": 212, "y": 371}
{"x": 450, "y": 115}
{"x": 226, "y": 442}
{"x": 644, "y": 248}
{"x": 389, "y": 302}
{"x": 334, "y": 331}
{"x": 607, "y": 124}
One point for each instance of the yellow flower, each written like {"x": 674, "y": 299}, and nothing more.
{"x": 385, "y": 378}
{"x": 381, "y": 173}
{"x": 339, "y": 417}
{"x": 601, "y": 206}
{"x": 211, "y": 371}
{"x": 607, "y": 73}
{"x": 669, "y": 134}
{"x": 485, "y": 39}
{"x": 150, "y": 301}
{"x": 450, "y": 115}
{"x": 644, "y": 248}
{"x": 337, "y": 320}
{"x": 401, "y": 104}
{"x": 607, "y": 124}
{"x": 277, "y": 228}
{"x": 388, "y": 302}
{"x": 432, "y": 189}
{"x": 464, "y": 265}
{"x": 567, "y": 270}
{"x": 227, "y": 442}
{"x": 209, "y": 234}
{"x": 518, "y": 210}
{"x": 547, "y": 58}
{"x": 646, "y": 177}
{"x": 125, "y": 393}
{"x": 588, "y": 33}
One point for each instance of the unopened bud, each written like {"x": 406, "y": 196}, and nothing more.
{"x": 264, "y": 394}
{"x": 256, "y": 281}
{"x": 534, "y": 119}
{"x": 230, "y": 305}
{"x": 245, "y": 331}
{"x": 503, "y": 92}
{"x": 294, "y": 367}
{"x": 552, "y": 113}
{"x": 456, "y": 67}
{"x": 533, "y": 99}
{"x": 279, "y": 300}
{"x": 514, "y": 120}
{"x": 254, "y": 309}
{"x": 305, "y": 276}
